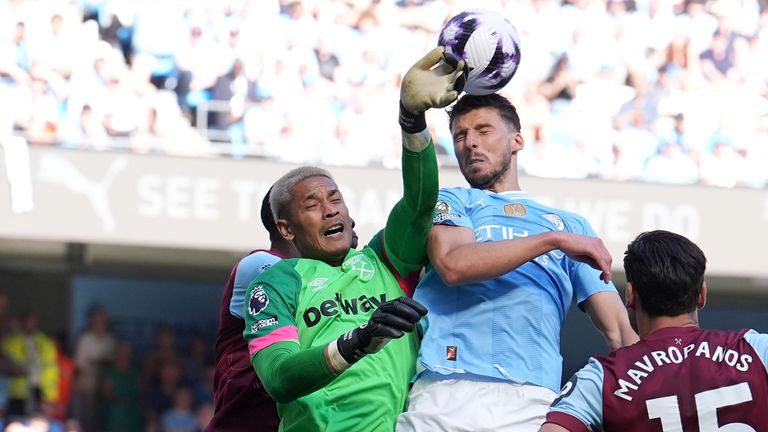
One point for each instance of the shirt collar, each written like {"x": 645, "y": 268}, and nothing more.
{"x": 514, "y": 194}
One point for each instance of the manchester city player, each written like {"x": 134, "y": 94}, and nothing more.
{"x": 506, "y": 269}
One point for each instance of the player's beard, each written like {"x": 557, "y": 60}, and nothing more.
{"x": 490, "y": 178}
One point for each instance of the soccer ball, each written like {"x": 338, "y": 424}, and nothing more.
{"x": 490, "y": 45}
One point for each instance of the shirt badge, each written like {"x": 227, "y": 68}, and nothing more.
{"x": 555, "y": 220}
{"x": 515, "y": 209}
{"x": 361, "y": 266}
{"x": 258, "y": 301}
{"x": 451, "y": 352}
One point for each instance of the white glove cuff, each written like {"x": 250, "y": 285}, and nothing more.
{"x": 334, "y": 359}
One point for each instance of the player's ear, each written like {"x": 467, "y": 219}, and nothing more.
{"x": 284, "y": 228}
{"x": 630, "y": 296}
{"x": 517, "y": 142}
{"x": 702, "y": 300}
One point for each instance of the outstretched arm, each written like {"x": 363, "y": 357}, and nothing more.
{"x": 405, "y": 234}
{"x": 460, "y": 259}
{"x": 429, "y": 83}
{"x": 609, "y": 315}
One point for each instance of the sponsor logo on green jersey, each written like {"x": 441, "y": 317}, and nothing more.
{"x": 341, "y": 305}
{"x": 268, "y": 322}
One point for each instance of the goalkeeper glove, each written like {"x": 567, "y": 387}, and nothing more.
{"x": 429, "y": 83}
{"x": 390, "y": 321}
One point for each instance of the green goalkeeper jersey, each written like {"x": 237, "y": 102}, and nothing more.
{"x": 298, "y": 306}
{"x": 314, "y": 303}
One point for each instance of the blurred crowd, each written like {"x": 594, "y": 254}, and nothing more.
{"x": 97, "y": 382}
{"x": 668, "y": 91}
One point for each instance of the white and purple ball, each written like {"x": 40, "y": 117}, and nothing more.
{"x": 490, "y": 45}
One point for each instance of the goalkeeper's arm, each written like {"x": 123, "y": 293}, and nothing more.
{"x": 430, "y": 83}
{"x": 289, "y": 373}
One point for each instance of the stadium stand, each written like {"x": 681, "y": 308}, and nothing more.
{"x": 670, "y": 91}
{"x": 663, "y": 91}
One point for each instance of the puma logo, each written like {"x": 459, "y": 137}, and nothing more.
{"x": 57, "y": 170}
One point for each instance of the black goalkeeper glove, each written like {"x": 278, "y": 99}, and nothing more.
{"x": 390, "y": 321}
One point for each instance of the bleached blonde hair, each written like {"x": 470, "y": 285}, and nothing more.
{"x": 280, "y": 197}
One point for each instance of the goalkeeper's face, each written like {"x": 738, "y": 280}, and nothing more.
{"x": 318, "y": 223}
{"x": 485, "y": 146}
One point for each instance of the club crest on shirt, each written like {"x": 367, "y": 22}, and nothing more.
{"x": 258, "y": 301}
{"x": 443, "y": 213}
{"x": 515, "y": 209}
{"x": 442, "y": 207}
{"x": 555, "y": 220}
{"x": 361, "y": 266}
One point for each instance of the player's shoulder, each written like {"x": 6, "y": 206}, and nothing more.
{"x": 753, "y": 334}
{"x": 727, "y": 337}
{"x": 462, "y": 199}
{"x": 455, "y": 190}
{"x": 728, "y": 333}
{"x": 290, "y": 264}
{"x": 458, "y": 193}
{"x": 759, "y": 343}
{"x": 374, "y": 251}
{"x": 623, "y": 356}
{"x": 563, "y": 220}
{"x": 257, "y": 258}
{"x": 594, "y": 366}
{"x": 279, "y": 270}
{"x": 567, "y": 215}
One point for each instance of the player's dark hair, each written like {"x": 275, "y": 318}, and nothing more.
{"x": 266, "y": 216}
{"x": 469, "y": 103}
{"x": 666, "y": 271}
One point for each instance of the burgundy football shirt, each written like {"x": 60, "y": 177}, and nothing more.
{"x": 239, "y": 399}
{"x": 675, "y": 379}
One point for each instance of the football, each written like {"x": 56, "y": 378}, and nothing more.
{"x": 489, "y": 44}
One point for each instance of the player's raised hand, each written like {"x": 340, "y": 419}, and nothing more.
{"x": 390, "y": 321}
{"x": 430, "y": 82}
{"x": 589, "y": 250}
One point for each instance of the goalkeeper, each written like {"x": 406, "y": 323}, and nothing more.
{"x": 331, "y": 334}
